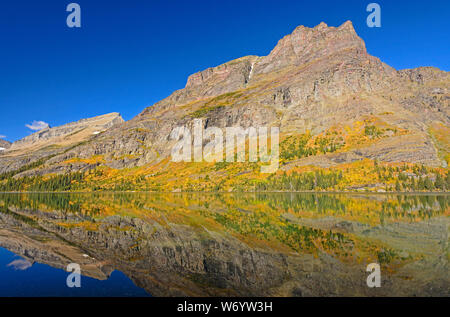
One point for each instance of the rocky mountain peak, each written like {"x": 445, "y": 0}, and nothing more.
{"x": 305, "y": 44}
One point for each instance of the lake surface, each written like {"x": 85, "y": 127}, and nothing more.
{"x": 203, "y": 244}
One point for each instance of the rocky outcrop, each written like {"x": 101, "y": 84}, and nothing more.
{"x": 225, "y": 78}
{"x": 306, "y": 45}
{"x": 423, "y": 75}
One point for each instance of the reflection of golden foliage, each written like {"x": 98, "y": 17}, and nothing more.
{"x": 284, "y": 222}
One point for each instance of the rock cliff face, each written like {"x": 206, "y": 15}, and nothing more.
{"x": 305, "y": 45}
{"x": 315, "y": 79}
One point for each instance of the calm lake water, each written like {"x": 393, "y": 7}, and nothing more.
{"x": 142, "y": 244}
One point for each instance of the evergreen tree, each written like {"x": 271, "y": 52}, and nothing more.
{"x": 397, "y": 186}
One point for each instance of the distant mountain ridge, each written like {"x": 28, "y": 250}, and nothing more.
{"x": 4, "y": 144}
{"x": 53, "y": 140}
{"x": 95, "y": 124}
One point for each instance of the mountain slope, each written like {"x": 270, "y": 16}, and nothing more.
{"x": 4, "y": 145}
{"x": 49, "y": 142}
{"x": 333, "y": 102}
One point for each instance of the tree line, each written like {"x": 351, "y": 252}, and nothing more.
{"x": 63, "y": 182}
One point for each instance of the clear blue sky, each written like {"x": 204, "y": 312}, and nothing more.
{"x": 130, "y": 54}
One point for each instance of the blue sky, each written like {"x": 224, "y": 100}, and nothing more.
{"x": 130, "y": 54}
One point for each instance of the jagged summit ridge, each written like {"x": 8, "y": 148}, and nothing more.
{"x": 305, "y": 44}
{"x": 301, "y": 46}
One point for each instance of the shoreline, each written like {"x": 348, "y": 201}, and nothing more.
{"x": 240, "y": 192}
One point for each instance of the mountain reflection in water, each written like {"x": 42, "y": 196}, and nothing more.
{"x": 200, "y": 244}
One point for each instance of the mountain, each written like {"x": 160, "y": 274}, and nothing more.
{"x": 334, "y": 103}
{"x": 53, "y": 141}
{"x": 4, "y": 145}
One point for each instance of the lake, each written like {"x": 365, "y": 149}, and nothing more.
{"x": 205, "y": 244}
